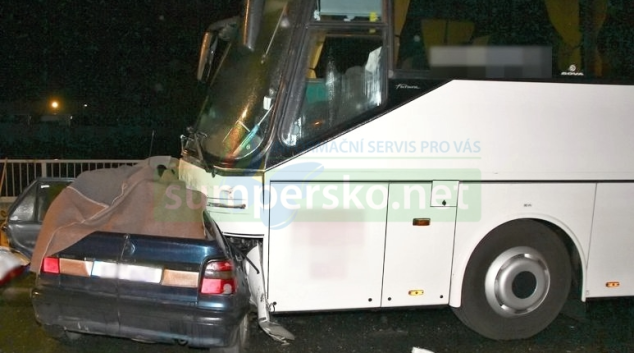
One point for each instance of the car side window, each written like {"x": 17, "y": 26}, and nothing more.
{"x": 25, "y": 210}
{"x": 46, "y": 193}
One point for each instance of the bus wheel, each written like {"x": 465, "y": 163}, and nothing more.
{"x": 516, "y": 282}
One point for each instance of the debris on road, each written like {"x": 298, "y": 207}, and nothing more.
{"x": 11, "y": 265}
{"x": 420, "y": 350}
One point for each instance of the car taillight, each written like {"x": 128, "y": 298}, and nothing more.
{"x": 218, "y": 278}
{"x": 50, "y": 265}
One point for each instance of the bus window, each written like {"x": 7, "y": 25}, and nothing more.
{"x": 343, "y": 80}
{"x": 516, "y": 39}
{"x": 359, "y": 10}
{"x": 475, "y": 39}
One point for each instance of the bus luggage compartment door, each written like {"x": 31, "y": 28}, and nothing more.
{"x": 419, "y": 244}
{"x": 326, "y": 245}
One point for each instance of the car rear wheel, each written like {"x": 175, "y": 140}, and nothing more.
{"x": 516, "y": 282}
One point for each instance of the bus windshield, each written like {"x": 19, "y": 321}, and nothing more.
{"x": 237, "y": 111}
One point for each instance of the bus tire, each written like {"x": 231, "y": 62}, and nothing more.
{"x": 516, "y": 281}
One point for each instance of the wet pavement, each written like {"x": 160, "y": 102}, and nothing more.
{"x": 604, "y": 326}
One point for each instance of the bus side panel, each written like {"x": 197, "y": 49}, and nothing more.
{"x": 566, "y": 205}
{"x": 324, "y": 253}
{"x": 610, "y": 264}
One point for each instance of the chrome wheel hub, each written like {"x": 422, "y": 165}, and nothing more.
{"x": 517, "y": 282}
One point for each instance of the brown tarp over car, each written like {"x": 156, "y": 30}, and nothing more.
{"x": 146, "y": 198}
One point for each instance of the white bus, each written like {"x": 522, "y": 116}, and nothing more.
{"x": 411, "y": 153}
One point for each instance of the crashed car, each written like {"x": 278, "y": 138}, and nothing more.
{"x": 118, "y": 256}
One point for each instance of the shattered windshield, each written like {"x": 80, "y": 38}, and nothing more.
{"x": 237, "y": 111}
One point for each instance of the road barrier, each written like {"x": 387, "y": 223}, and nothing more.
{"x": 17, "y": 174}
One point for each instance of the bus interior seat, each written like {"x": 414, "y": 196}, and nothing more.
{"x": 354, "y": 99}
{"x": 440, "y": 32}
{"x": 566, "y": 18}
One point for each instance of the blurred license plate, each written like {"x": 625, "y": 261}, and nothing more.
{"x": 104, "y": 269}
{"x": 127, "y": 272}
{"x": 140, "y": 273}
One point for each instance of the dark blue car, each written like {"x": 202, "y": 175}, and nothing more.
{"x": 189, "y": 291}
{"x": 152, "y": 289}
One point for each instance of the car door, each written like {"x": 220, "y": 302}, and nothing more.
{"x": 27, "y": 213}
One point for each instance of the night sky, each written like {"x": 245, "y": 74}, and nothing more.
{"x": 131, "y": 62}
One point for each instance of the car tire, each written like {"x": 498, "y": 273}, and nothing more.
{"x": 516, "y": 281}
{"x": 240, "y": 340}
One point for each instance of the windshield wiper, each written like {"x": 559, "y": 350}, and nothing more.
{"x": 197, "y": 137}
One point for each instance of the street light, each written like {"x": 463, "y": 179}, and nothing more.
{"x": 55, "y": 105}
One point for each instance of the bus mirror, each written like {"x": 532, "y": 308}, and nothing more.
{"x": 224, "y": 30}
{"x": 206, "y": 57}
{"x": 252, "y": 21}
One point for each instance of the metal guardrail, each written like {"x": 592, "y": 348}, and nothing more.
{"x": 17, "y": 174}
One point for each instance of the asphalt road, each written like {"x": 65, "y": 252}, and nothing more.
{"x": 605, "y": 326}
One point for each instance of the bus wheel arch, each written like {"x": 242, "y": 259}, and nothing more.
{"x": 517, "y": 279}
